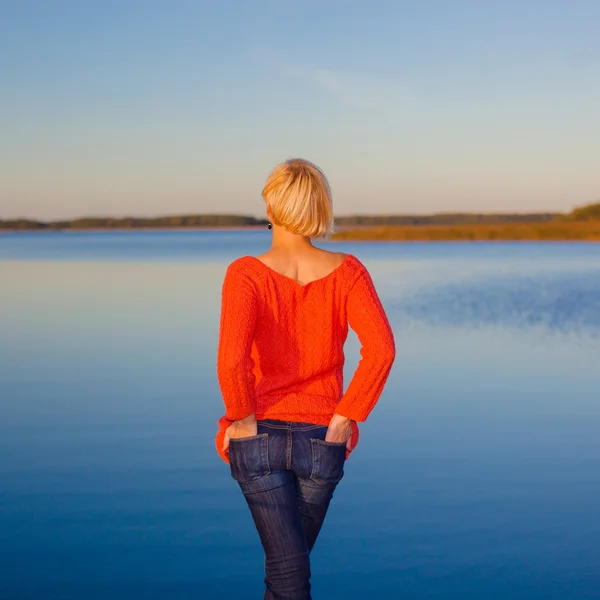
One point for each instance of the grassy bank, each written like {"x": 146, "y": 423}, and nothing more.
{"x": 583, "y": 224}
{"x": 553, "y": 231}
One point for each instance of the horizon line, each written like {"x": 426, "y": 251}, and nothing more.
{"x": 250, "y": 216}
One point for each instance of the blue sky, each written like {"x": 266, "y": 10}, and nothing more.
{"x": 153, "y": 107}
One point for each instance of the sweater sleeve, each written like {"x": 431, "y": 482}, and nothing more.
{"x": 239, "y": 307}
{"x": 367, "y": 318}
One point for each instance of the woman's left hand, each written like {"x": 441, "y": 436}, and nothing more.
{"x": 240, "y": 429}
{"x": 340, "y": 430}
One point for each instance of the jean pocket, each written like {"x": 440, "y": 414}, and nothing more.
{"x": 249, "y": 457}
{"x": 328, "y": 460}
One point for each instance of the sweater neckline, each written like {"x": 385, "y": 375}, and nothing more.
{"x": 303, "y": 285}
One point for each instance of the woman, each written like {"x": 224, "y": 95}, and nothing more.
{"x": 289, "y": 426}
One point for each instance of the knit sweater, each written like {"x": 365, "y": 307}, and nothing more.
{"x": 280, "y": 352}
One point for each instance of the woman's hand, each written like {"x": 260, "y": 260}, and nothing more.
{"x": 246, "y": 427}
{"x": 340, "y": 430}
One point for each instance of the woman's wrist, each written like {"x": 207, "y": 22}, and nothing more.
{"x": 340, "y": 420}
{"x": 249, "y": 420}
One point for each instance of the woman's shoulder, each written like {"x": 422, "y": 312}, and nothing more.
{"x": 241, "y": 263}
{"x": 243, "y": 268}
{"x": 349, "y": 267}
{"x": 351, "y": 259}
{"x": 342, "y": 258}
{"x": 356, "y": 266}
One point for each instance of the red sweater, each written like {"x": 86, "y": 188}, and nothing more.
{"x": 280, "y": 352}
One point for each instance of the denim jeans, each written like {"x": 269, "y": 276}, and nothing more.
{"x": 288, "y": 474}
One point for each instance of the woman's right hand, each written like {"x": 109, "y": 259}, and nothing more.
{"x": 247, "y": 427}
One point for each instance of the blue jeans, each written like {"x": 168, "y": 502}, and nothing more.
{"x": 288, "y": 474}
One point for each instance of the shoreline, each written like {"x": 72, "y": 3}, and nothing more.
{"x": 366, "y": 234}
{"x": 129, "y": 229}
{"x": 567, "y": 229}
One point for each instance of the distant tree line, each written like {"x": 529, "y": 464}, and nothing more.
{"x": 591, "y": 212}
{"x": 586, "y": 213}
{"x": 180, "y": 221}
{"x": 443, "y": 219}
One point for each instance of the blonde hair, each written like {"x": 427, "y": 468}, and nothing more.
{"x": 299, "y": 198}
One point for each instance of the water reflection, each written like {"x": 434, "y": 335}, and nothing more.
{"x": 477, "y": 475}
{"x": 561, "y": 302}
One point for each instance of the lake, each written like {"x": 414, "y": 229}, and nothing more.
{"x": 477, "y": 475}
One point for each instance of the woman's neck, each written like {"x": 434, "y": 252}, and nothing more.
{"x": 285, "y": 241}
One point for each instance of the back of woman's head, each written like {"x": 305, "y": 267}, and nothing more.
{"x": 299, "y": 198}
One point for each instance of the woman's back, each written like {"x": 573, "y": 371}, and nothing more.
{"x": 303, "y": 267}
{"x": 282, "y": 338}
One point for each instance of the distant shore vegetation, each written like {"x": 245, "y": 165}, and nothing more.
{"x": 581, "y": 224}
{"x": 568, "y": 231}
{"x": 171, "y": 222}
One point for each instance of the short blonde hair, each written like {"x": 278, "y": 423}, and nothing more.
{"x": 299, "y": 198}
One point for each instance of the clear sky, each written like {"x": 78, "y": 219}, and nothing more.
{"x": 147, "y": 107}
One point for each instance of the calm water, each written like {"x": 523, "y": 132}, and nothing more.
{"x": 477, "y": 476}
